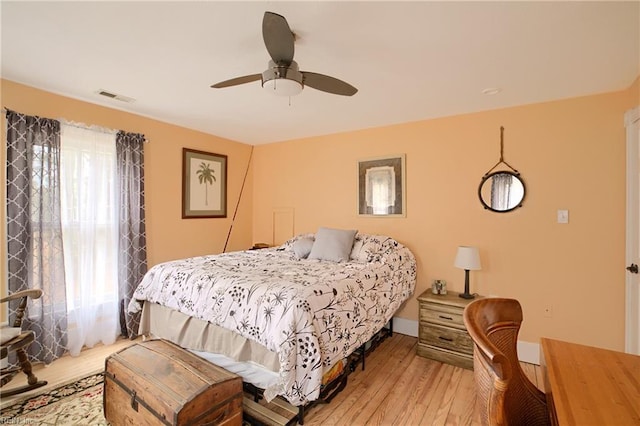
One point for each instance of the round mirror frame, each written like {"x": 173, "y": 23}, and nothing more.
{"x": 488, "y": 177}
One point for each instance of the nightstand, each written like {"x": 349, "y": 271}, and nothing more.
{"x": 442, "y": 335}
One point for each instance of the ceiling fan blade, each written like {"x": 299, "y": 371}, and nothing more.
{"x": 238, "y": 80}
{"x": 328, "y": 84}
{"x": 278, "y": 38}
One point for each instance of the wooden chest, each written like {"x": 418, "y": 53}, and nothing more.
{"x": 157, "y": 382}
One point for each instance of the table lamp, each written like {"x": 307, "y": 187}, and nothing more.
{"x": 467, "y": 258}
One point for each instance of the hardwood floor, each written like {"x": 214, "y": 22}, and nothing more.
{"x": 396, "y": 388}
{"x": 66, "y": 369}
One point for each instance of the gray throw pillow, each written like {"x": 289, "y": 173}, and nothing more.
{"x": 302, "y": 247}
{"x": 333, "y": 244}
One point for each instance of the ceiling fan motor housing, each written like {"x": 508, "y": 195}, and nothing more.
{"x": 283, "y": 80}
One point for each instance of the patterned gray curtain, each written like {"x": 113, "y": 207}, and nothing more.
{"x": 34, "y": 230}
{"x": 132, "y": 242}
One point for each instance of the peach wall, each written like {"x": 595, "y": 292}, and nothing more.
{"x": 168, "y": 235}
{"x": 571, "y": 155}
{"x": 633, "y": 94}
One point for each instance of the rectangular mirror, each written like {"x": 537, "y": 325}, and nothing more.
{"x": 381, "y": 186}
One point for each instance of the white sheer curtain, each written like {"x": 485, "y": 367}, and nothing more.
{"x": 501, "y": 184}
{"x": 90, "y": 235}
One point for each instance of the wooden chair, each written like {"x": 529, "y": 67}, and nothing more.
{"x": 505, "y": 394}
{"x": 14, "y": 339}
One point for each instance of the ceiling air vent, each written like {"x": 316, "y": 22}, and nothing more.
{"x": 115, "y": 96}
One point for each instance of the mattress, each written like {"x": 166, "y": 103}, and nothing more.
{"x": 296, "y": 317}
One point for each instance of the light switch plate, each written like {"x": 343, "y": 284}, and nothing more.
{"x": 563, "y": 216}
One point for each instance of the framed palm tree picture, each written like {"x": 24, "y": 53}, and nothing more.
{"x": 204, "y": 184}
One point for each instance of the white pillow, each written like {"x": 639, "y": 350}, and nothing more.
{"x": 302, "y": 247}
{"x": 357, "y": 248}
{"x": 333, "y": 244}
{"x": 369, "y": 248}
{"x": 8, "y": 333}
{"x": 288, "y": 245}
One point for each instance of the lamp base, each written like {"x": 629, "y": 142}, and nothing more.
{"x": 466, "y": 294}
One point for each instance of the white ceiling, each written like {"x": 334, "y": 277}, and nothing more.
{"x": 410, "y": 60}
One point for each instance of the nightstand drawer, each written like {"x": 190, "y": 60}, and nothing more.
{"x": 449, "y": 316}
{"x": 447, "y": 338}
{"x": 444, "y": 355}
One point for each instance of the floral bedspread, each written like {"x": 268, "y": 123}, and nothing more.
{"x": 311, "y": 313}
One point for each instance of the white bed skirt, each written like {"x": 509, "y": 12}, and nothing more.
{"x": 250, "y": 360}
{"x": 199, "y": 335}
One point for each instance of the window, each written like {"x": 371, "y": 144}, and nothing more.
{"x": 89, "y": 232}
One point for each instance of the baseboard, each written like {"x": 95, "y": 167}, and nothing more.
{"x": 527, "y": 352}
{"x": 405, "y": 326}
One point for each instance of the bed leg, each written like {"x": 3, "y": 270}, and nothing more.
{"x": 301, "y": 415}
{"x": 391, "y": 327}
{"x": 363, "y": 354}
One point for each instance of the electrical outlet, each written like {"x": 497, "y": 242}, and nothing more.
{"x": 548, "y": 311}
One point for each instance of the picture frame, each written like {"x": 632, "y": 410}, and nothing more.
{"x": 204, "y": 184}
{"x": 382, "y": 186}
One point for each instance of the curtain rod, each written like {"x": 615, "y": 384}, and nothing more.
{"x": 94, "y": 127}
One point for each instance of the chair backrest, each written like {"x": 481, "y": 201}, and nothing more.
{"x": 22, "y": 297}
{"x": 17, "y": 340}
{"x": 505, "y": 394}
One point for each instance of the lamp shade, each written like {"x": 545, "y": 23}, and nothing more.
{"x": 283, "y": 87}
{"x": 468, "y": 258}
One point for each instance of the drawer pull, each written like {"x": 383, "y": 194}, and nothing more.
{"x": 447, "y": 318}
{"x": 445, "y": 339}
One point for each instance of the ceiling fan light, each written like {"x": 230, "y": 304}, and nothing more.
{"x": 283, "y": 87}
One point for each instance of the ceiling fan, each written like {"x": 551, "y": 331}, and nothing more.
{"x": 283, "y": 75}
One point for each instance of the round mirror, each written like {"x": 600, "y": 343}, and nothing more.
{"x": 501, "y": 191}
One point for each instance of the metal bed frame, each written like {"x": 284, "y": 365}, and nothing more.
{"x": 329, "y": 391}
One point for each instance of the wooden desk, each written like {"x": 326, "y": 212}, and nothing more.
{"x": 590, "y": 386}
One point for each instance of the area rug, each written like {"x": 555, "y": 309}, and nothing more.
{"x": 77, "y": 403}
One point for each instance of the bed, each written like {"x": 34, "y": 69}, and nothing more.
{"x": 285, "y": 316}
